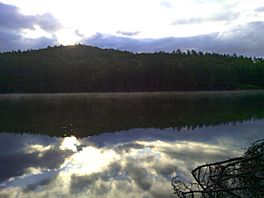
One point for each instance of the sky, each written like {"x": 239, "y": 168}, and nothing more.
{"x": 222, "y": 26}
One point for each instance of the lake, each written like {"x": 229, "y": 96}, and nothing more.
{"x": 119, "y": 144}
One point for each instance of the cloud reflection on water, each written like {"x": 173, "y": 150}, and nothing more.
{"x": 137, "y": 165}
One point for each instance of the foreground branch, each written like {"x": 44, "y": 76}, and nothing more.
{"x": 237, "y": 177}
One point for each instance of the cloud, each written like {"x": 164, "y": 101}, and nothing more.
{"x": 219, "y": 17}
{"x": 18, "y": 163}
{"x": 260, "y": 9}
{"x": 77, "y": 32}
{"x": 143, "y": 167}
{"x": 114, "y": 175}
{"x": 166, "y": 4}
{"x": 47, "y": 22}
{"x": 81, "y": 183}
{"x": 95, "y": 181}
{"x": 243, "y": 39}
{"x": 124, "y": 33}
{"x": 9, "y": 40}
{"x": 42, "y": 183}
{"x": 140, "y": 175}
{"x": 13, "y": 22}
{"x": 13, "y": 143}
{"x": 198, "y": 152}
{"x": 14, "y": 41}
{"x": 12, "y": 19}
{"x": 19, "y": 156}
{"x": 166, "y": 169}
{"x": 193, "y": 20}
{"x": 127, "y": 147}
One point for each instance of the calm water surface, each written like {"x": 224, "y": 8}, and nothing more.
{"x": 119, "y": 145}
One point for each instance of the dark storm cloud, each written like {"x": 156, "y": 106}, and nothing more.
{"x": 221, "y": 16}
{"x": 12, "y": 22}
{"x": 128, "y": 33}
{"x": 245, "y": 39}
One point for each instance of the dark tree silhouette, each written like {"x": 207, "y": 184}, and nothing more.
{"x": 83, "y": 68}
{"x": 239, "y": 177}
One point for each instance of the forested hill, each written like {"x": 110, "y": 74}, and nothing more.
{"x": 89, "y": 69}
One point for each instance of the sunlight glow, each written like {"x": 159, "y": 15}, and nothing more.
{"x": 91, "y": 160}
{"x": 33, "y": 170}
{"x": 67, "y": 37}
{"x": 35, "y": 33}
{"x": 121, "y": 168}
{"x": 153, "y": 19}
{"x": 37, "y": 148}
{"x": 69, "y": 143}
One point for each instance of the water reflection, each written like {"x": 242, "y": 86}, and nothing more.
{"x": 89, "y": 114}
{"x": 133, "y": 163}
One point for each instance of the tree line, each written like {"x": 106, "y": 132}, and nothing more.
{"x": 83, "y": 68}
{"x": 85, "y": 115}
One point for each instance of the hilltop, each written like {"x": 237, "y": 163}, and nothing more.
{"x": 83, "y": 68}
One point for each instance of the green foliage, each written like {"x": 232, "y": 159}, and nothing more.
{"x": 83, "y": 68}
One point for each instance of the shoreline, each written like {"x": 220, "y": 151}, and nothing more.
{"x": 137, "y": 94}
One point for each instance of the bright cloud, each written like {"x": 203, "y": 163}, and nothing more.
{"x": 132, "y": 168}
{"x": 71, "y": 21}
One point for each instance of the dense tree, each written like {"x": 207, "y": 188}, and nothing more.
{"x": 89, "y": 69}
